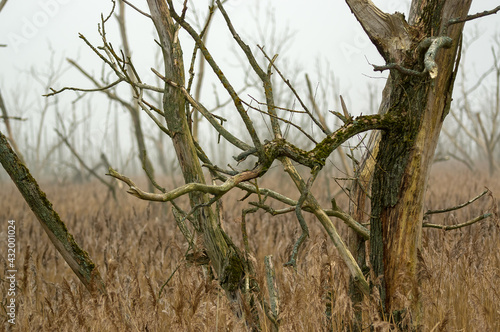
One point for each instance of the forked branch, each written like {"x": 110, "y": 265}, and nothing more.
{"x": 429, "y": 212}
{"x": 219, "y": 190}
{"x": 457, "y": 226}
{"x": 464, "y": 224}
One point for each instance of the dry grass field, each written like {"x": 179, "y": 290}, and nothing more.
{"x": 137, "y": 248}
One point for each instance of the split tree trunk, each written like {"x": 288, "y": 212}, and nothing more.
{"x": 403, "y": 158}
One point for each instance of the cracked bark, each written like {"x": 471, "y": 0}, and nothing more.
{"x": 404, "y": 157}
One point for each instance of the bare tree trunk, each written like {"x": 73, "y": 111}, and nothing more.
{"x": 404, "y": 157}
{"x": 135, "y": 110}
{"x": 224, "y": 256}
{"x": 78, "y": 259}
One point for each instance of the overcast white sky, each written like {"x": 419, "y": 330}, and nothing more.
{"x": 324, "y": 30}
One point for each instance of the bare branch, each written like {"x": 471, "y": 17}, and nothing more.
{"x": 398, "y": 68}
{"x": 106, "y": 87}
{"x": 290, "y": 86}
{"x": 298, "y": 212}
{"x": 429, "y": 212}
{"x": 453, "y": 227}
{"x": 18, "y": 118}
{"x": 349, "y": 220}
{"x": 473, "y": 17}
{"x": 160, "y": 125}
{"x": 104, "y": 20}
{"x": 187, "y": 188}
{"x": 2, "y": 4}
{"x": 137, "y": 9}
{"x": 209, "y": 116}
{"x": 218, "y": 72}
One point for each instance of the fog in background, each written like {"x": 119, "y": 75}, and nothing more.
{"x": 321, "y": 38}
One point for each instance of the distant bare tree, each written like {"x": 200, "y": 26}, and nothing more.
{"x": 6, "y": 119}
{"x": 131, "y": 105}
{"x": 478, "y": 122}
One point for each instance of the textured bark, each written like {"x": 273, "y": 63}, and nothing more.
{"x": 404, "y": 156}
{"x": 224, "y": 256}
{"x": 78, "y": 259}
{"x": 359, "y": 211}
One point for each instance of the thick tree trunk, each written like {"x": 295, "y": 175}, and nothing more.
{"x": 224, "y": 256}
{"x": 404, "y": 157}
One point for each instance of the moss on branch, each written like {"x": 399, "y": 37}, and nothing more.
{"x": 318, "y": 155}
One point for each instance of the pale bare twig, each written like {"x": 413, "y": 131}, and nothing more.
{"x": 429, "y": 212}
{"x": 472, "y": 17}
{"x": 106, "y": 87}
{"x": 209, "y": 116}
{"x": 290, "y": 86}
{"x": 137, "y": 9}
{"x": 220, "y": 75}
{"x": 110, "y": 186}
{"x": 274, "y": 116}
{"x": 457, "y": 226}
{"x": 217, "y": 190}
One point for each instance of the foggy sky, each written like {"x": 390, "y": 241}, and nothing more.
{"x": 325, "y": 32}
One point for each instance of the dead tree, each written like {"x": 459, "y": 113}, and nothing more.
{"x": 478, "y": 122}
{"x": 421, "y": 55}
{"x": 130, "y": 104}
